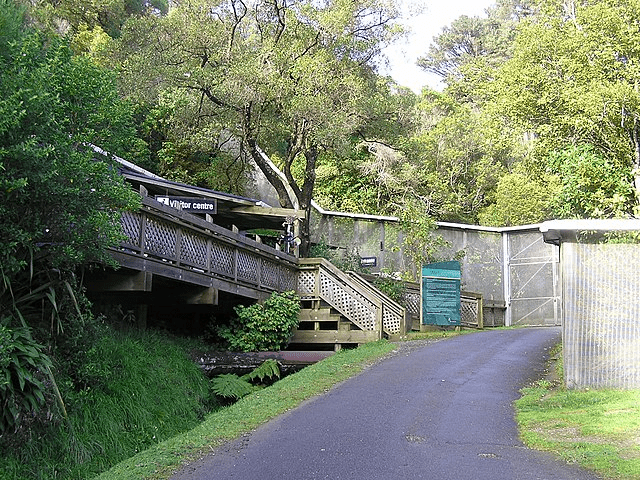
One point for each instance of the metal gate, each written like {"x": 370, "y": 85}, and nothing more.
{"x": 532, "y": 284}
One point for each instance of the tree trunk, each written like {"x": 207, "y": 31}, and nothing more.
{"x": 272, "y": 177}
{"x": 635, "y": 142}
{"x": 306, "y": 195}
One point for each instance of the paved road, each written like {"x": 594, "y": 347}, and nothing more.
{"x": 442, "y": 411}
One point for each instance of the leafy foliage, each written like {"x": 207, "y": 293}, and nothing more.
{"x": 521, "y": 200}
{"x": 229, "y": 385}
{"x": 572, "y": 81}
{"x": 59, "y": 207}
{"x": 391, "y": 287}
{"x": 421, "y": 244}
{"x": 122, "y": 401}
{"x": 592, "y": 185}
{"x": 55, "y": 197}
{"x": 22, "y": 360}
{"x": 263, "y": 327}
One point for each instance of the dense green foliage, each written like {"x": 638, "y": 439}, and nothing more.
{"x": 132, "y": 391}
{"x": 263, "y": 326}
{"x": 20, "y": 389}
{"x": 555, "y": 86}
{"x": 59, "y": 207}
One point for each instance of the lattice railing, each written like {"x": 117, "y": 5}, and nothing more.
{"x": 173, "y": 237}
{"x": 470, "y": 305}
{"x": 393, "y": 314}
{"x": 354, "y": 298}
{"x": 471, "y": 310}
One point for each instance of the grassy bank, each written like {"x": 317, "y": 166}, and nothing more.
{"x": 598, "y": 429}
{"x": 130, "y": 392}
{"x": 248, "y": 413}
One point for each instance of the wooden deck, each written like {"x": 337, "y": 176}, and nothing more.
{"x": 204, "y": 259}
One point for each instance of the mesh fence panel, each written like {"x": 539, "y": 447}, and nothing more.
{"x": 532, "y": 272}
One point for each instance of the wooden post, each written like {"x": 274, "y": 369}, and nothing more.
{"x": 143, "y": 310}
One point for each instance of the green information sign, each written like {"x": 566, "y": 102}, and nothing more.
{"x": 441, "y": 293}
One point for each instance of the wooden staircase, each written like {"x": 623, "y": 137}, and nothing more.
{"x": 340, "y": 309}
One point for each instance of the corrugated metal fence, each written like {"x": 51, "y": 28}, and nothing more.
{"x": 601, "y": 303}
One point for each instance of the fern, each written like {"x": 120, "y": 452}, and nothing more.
{"x": 269, "y": 368}
{"x": 230, "y": 385}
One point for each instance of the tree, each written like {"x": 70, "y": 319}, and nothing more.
{"x": 593, "y": 186}
{"x": 521, "y": 199}
{"x": 455, "y": 161}
{"x": 289, "y": 77}
{"x": 80, "y": 17}
{"x": 59, "y": 207}
{"x": 572, "y": 80}
{"x": 474, "y": 44}
{"x": 367, "y": 178}
{"x": 465, "y": 40}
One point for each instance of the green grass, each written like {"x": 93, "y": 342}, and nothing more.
{"x": 160, "y": 461}
{"x": 597, "y": 429}
{"x": 165, "y": 458}
{"x": 133, "y": 391}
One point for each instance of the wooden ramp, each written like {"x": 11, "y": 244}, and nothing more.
{"x": 200, "y": 259}
{"x": 165, "y": 242}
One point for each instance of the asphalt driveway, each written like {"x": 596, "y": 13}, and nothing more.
{"x": 442, "y": 411}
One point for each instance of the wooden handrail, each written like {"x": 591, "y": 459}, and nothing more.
{"x": 180, "y": 241}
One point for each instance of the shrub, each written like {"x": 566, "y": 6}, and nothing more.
{"x": 263, "y": 327}
{"x": 394, "y": 289}
{"x": 21, "y": 392}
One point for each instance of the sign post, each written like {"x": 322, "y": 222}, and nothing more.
{"x": 440, "y": 294}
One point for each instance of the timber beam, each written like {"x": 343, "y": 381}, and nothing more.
{"x": 121, "y": 281}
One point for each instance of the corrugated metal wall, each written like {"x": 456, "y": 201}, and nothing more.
{"x": 601, "y": 310}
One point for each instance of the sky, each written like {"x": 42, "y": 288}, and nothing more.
{"x": 434, "y": 15}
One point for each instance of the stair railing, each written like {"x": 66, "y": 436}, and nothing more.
{"x": 394, "y": 315}
{"x": 356, "y": 300}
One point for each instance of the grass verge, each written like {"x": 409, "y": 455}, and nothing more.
{"x": 597, "y": 429}
{"x": 160, "y": 461}
{"x": 121, "y": 399}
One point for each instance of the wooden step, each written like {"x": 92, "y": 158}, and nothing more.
{"x": 318, "y": 315}
{"x": 334, "y": 336}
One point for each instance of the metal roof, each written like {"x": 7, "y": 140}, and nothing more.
{"x": 558, "y": 231}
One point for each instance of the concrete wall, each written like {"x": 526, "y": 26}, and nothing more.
{"x": 514, "y": 270}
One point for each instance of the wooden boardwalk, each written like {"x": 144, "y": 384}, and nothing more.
{"x": 163, "y": 243}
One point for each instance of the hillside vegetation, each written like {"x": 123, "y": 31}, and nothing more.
{"x": 133, "y": 390}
